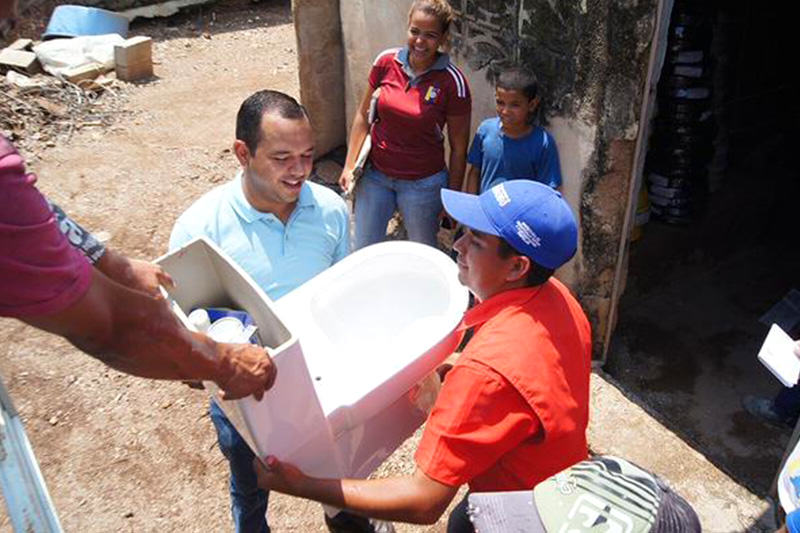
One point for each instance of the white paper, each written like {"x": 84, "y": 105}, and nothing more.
{"x": 777, "y": 354}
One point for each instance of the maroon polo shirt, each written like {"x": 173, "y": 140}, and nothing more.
{"x": 408, "y": 139}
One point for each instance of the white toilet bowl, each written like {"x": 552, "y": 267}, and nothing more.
{"x": 351, "y": 346}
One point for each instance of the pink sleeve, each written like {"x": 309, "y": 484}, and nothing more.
{"x": 40, "y": 273}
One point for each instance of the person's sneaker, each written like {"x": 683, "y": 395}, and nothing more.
{"x": 764, "y": 409}
{"x": 382, "y": 526}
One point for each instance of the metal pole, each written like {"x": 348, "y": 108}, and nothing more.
{"x": 27, "y": 500}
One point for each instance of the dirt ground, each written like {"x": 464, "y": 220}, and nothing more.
{"x": 120, "y": 453}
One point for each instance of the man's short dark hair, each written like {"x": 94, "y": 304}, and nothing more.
{"x": 248, "y": 120}
{"x": 536, "y": 275}
{"x": 519, "y": 79}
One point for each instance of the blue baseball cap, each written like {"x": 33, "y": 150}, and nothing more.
{"x": 532, "y": 217}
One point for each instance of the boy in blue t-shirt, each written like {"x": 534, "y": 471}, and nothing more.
{"x": 510, "y": 146}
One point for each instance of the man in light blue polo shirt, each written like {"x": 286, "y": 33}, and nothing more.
{"x": 280, "y": 228}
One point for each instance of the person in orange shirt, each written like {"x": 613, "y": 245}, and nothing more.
{"x": 513, "y": 410}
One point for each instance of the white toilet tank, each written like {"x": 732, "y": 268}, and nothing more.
{"x": 351, "y": 345}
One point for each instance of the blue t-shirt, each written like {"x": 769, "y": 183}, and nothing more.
{"x": 278, "y": 257}
{"x": 501, "y": 158}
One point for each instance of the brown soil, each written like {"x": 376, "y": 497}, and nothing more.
{"x": 122, "y": 453}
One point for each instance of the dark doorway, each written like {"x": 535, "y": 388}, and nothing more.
{"x": 688, "y": 328}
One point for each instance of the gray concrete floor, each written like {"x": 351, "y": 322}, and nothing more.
{"x": 619, "y": 425}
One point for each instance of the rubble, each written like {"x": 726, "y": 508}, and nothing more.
{"x": 21, "y": 80}
{"x": 83, "y": 60}
{"x": 40, "y": 110}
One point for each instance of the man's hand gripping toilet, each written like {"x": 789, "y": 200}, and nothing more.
{"x": 248, "y": 369}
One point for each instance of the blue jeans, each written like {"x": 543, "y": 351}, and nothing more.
{"x": 458, "y": 521}
{"x": 419, "y": 202}
{"x": 248, "y": 502}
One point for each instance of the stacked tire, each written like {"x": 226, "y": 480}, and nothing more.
{"x": 683, "y": 130}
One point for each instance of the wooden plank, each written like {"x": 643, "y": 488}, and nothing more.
{"x": 134, "y": 72}
{"x": 84, "y": 72}
{"x": 21, "y": 44}
{"x": 133, "y": 51}
{"x": 20, "y": 60}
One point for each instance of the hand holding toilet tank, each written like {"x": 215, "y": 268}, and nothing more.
{"x": 248, "y": 370}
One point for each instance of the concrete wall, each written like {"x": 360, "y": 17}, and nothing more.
{"x": 591, "y": 57}
{"x": 320, "y": 57}
{"x": 368, "y": 27}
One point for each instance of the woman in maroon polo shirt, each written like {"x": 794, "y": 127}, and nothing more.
{"x": 421, "y": 93}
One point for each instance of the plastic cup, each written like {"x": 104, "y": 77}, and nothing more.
{"x": 200, "y": 320}
{"x": 226, "y": 329}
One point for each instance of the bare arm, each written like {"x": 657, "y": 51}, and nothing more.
{"x": 473, "y": 180}
{"x": 458, "y": 136}
{"x": 138, "y": 334}
{"x": 133, "y": 273}
{"x": 416, "y": 499}
{"x": 358, "y": 132}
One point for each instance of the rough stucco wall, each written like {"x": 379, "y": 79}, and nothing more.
{"x": 321, "y": 69}
{"x": 615, "y": 74}
{"x": 368, "y": 27}
{"x": 591, "y": 57}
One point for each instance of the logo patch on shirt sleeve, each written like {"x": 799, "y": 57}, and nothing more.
{"x": 431, "y": 94}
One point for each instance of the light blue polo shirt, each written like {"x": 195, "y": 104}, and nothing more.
{"x": 278, "y": 257}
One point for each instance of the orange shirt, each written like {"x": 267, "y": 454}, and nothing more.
{"x": 514, "y": 408}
